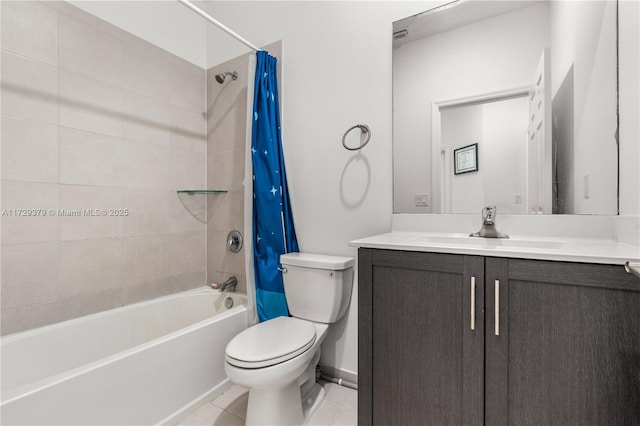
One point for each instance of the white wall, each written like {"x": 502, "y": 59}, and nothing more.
{"x": 486, "y": 56}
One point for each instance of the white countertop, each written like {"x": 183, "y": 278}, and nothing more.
{"x": 589, "y": 250}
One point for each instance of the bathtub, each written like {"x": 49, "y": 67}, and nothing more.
{"x": 148, "y": 363}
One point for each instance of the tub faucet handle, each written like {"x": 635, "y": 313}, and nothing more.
{"x": 234, "y": 241}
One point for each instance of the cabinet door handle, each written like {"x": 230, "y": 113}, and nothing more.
{"x": 473, "y": 303}
{"x": 496, "y": 308}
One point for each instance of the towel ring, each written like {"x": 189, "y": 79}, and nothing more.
{"x": 364, "y": 129}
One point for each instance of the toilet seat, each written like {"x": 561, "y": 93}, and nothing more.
{"x": 271, "y": 342}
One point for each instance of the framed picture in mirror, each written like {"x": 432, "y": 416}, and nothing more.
{"x": 465, "y": 159}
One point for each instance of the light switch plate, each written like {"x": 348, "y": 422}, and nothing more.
{"x": 422, "y": 199}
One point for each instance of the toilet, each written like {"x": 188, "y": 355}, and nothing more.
{"x": 276, "y": 359}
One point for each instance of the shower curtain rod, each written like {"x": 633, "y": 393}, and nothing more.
{"x": 219, "y": 24}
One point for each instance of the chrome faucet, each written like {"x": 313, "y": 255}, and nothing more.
{"x": 488, "y": 229}
{"x": 231, "y": 282}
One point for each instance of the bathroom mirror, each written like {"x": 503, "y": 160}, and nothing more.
{"x": 532, "y": 83}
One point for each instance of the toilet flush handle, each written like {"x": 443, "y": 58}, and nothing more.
{"x": 282, "y": 269}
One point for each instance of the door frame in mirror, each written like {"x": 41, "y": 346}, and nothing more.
{"x": 436, "y": 132}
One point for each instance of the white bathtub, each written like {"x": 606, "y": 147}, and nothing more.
{"x": 143, "y": 364}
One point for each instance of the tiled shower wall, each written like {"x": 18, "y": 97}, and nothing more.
{"x": 227, "y": 109}
{"x": 95, "y": 118}
{"x": 226, "y": 135}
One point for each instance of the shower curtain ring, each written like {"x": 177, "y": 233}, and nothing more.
{"x": 364, "y": 129}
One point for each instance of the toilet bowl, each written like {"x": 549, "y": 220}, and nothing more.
{"x": 276, "y": 359}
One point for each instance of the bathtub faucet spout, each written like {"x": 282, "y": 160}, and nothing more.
{"x": 232, "y": 282}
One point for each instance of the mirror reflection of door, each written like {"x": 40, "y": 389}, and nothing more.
{"x": 539, "y": 158}
{"x": 479, "y": 47}
{"x": 499, "y": 127}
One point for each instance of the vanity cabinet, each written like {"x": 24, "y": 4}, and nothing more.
{"x": 449, "y": 339}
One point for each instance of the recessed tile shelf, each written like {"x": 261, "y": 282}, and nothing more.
{"x": 197, "y": 206}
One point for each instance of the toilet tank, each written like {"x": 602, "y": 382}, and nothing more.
{"x": 317, "y": 286}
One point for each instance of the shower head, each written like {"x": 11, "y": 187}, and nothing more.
{"x": 220, "y": 77}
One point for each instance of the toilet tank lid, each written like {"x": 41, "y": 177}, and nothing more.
{"x": 318, "y": 261}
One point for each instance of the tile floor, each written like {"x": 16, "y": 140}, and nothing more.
{"x": 339, "y": 408}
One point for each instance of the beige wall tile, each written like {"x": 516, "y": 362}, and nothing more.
{"x": 146, "y": 119}
{"x": 227, "y": 107}
{"x": 77, "y": 199}
{"x": 146, "y": 291}
{"x": 89, "y": 104}
{"x": 23, "y": 318}
{"x": 221, "y": 260}
{"x": 216, "y": 249}
{"x": 210, "y": 100}
{"x": 181, "y": 220}
{"x": 188, "y": 281}
{"x": 188, "y": 253}
{"x": 145, "y": 165}
{"x": 225, "y": 169}
{"x": 30, "y": 29}
{"x": 29, "y": 274}
{"x": 148, "y": 212}
{"x": 226, "y": 139}
{"x": 188, "y": 169}
{"x": 87, "y": 50}
{"x": 228, "y": 214}
{"x": 90, "y": 266}
{"x": 90, "y": 303}
{"x": 146, "y": 259}
{"x": 188, "y": 129}
{"x": 132, "y": 130}
{"x": 146, "y": 70}
{"x": 214, "y": 203}
{"x": 29, "y": 151}
{"x": 221, "y": 96}
{"x": 227, "y": 132}
{"x": 186, "y": 85}
{"x": 29, "y": 89}
{"x": 190, "y": 142}
{"x": 29, "y": 229}
{"x": 88, "y": 158}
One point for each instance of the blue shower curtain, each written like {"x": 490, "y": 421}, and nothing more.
{"x": 273, "y": 229}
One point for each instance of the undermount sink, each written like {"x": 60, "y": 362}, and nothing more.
{"x": 463, "y": 240}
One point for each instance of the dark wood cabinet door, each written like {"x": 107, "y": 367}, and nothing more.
{"x": 567, "y": 351}
{"x": 420, "y": 363}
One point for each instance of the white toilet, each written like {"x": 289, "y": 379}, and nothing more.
{"x": 276, "y": 359}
